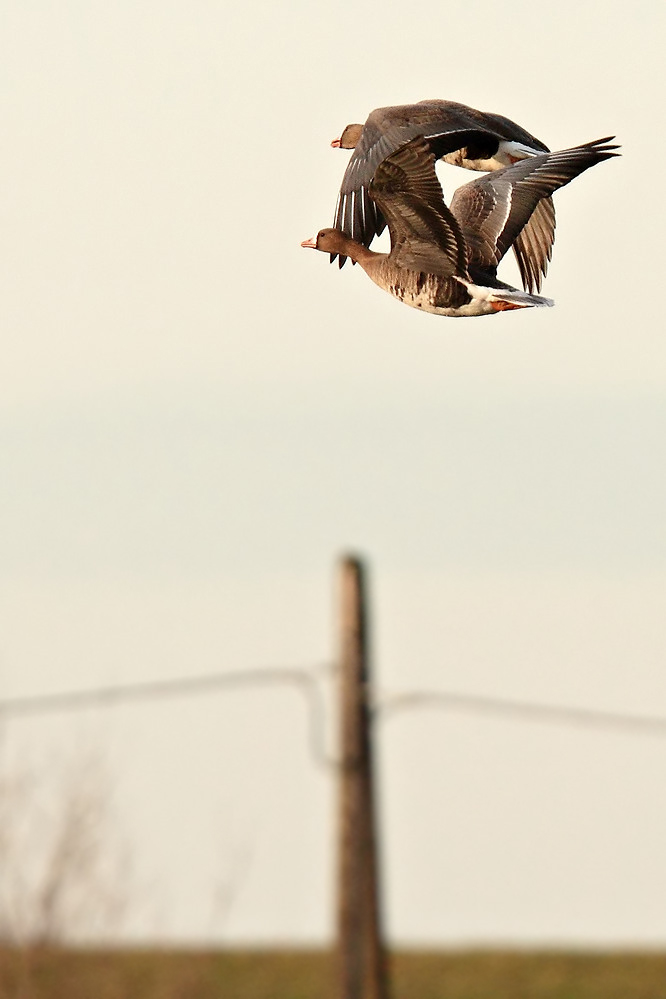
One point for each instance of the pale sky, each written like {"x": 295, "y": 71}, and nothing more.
{"x": 197, "y": 416}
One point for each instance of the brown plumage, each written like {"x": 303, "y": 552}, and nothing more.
{"x": 458, "y": 134}
{"x": 444, "y": 260}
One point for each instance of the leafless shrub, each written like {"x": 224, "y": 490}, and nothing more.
{"x": 234, "y": 867}
{"x": 61, "y": 879}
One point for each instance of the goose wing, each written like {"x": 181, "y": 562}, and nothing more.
{"x": 446, "y": 125}
{"x": 425, "y": 236}
{"x": 493, "y": 210}
{"x": 533, "y": 247}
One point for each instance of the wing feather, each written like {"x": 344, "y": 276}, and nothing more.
{"x": 447, "y": 125}
{"x": 493, "y": 210}
{"x": 425, "y": 236}
{"x": 533, "y": 246}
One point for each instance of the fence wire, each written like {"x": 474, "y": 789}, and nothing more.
{"x": 309, "y": 683}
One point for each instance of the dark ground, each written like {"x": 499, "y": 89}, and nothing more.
{"x": 155, "y": 974}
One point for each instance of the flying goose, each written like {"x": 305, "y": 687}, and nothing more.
{"x": 445, "y": 260}
{"x": 458, "y": 134}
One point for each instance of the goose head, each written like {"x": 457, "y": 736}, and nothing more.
{"x": 349, "y": 137}
{"x": 328, "y": 241}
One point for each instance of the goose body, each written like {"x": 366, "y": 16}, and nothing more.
{"x": 444, "y": 260}
{"x": 448, "y": 297}
{"x": 455, "y": 296}
{"x": 459, "y": 135}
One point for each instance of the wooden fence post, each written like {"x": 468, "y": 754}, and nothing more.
{"x": 362, "y": 965}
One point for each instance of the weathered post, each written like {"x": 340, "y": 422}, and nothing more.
{"x": 362, "y": 965}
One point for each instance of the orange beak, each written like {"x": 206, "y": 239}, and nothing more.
{"x": 312, "y": 242}
{"x": 336, "y": 143}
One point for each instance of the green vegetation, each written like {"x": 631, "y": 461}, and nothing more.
{"x": 155, "y": 974}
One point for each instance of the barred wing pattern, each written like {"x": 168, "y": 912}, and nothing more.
{"x": 493, "y": 210}
{"x": 448, "y": 127}
{"x": 425, "y": 236}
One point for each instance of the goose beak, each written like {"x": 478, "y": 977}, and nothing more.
{"x": 336, "y": 143}
{"x": 312, "y": 242}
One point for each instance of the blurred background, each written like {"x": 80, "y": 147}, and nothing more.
{"x": 197, "y": 416}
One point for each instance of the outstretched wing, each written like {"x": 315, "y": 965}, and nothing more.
{"x": 425, "y": 236}
{"x": 533, "y": 247}
{"x": 446, "y": 125}
{"x": 493, "y": 210}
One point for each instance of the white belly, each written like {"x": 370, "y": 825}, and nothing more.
{"x": 507, "y": 153}
{"x": 471, "y": 308}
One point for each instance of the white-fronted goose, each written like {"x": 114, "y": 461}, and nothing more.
{"x": 458, "y": 134}
{"x": 445, "y": 260}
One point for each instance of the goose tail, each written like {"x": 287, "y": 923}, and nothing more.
{"x": 502, "y": 299}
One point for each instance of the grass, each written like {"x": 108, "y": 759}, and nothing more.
{"x": 161, "y": 974}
